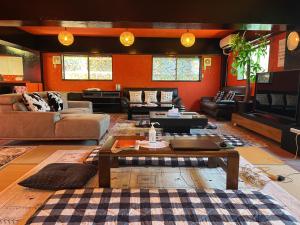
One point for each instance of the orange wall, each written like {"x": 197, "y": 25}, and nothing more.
{"x": 136, "y": 71}
{"x": 232, "y": 79}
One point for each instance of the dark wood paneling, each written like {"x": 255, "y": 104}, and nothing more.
{"x": 21, "y": 38}
{"x": 141, "y": 46}
{"x": 193, "y": 11}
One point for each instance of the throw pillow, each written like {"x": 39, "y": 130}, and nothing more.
{"x": 135, "y": 96}
{"x": 34, "y": 102}
{"x": 166, "y": 96}
{"x": 262, "y": 99}
{"x": 150, "y": 96}
{"x": 59, "y": 176}
{"x": 219, "y": 96}
{"x": 230, "y": 95}
{"x": 277, "y": 99}
{"x": 55, "y": 101}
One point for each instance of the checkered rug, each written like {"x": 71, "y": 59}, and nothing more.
{"x": 160, "y": 206}
{"x": 151, "y": 161}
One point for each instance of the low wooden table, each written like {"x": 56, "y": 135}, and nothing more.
{"x": 108, "y": 160}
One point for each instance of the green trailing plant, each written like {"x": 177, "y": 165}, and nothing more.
{"x": 246, "y": 58}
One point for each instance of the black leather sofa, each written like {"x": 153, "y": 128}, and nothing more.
{"x": 129, "y": 107}
{"x": 222, "y": 109}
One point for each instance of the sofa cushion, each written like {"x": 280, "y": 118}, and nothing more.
{"x": 150, "y": 96}
{"x": 34, "y": 102}
{"x": 59, "y": 176}
{"x": 135, "y": 96}
{"x": 229, "y": 95}
{"x": 55, "y": 101}
{"x": 82, "y": 126}
{"x": 9, "y": 99}
{"x": 210, "y": 105}
{"x": 20, "y": 106}
{"x": 76, "y": 110}
{"x": 166, "y": 96}
{"x": 219, "y": 96}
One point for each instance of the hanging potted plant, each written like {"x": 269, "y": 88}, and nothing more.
{"x": 246, "y": 59}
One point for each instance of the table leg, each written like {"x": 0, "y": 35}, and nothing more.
{"x": 212, "y": 162}
{"x": 129, "y": 114}
{"x": 232, "y": 173}
{"x": 115, "y": 162}
{"x": 104, "y": 171}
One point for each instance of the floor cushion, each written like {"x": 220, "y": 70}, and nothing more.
{"x": 59, "y": 176}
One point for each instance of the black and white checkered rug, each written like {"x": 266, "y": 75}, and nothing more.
{"x": 151, "y": 161}
{"x": 160, "y": 206}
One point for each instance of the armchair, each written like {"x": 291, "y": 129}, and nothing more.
{"x": 223, "y": 108}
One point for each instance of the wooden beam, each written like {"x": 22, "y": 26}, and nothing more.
{"x": 112, "y": 45}
{"x": 153, "y": 12}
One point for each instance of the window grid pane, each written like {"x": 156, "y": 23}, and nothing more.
{"x": 76, "y": 67}
{"x": 84, "y": 67}
{"x": 188, "y": 69}
{"x": 176, "y": 69}
{"x": 100, "y": 68}
{"x": 164, "y": 68}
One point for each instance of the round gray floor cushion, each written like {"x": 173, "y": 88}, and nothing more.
{"x": 59, "y": 176}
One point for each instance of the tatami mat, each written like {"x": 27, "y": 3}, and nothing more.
{"x": 258, "y": 156}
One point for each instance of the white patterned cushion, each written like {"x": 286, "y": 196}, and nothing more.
{"x": 55, "y": 101}
{"x": 34, "y": 102}
{"x": 150, "y": 96}
{"x": 135, "y": 96}
{"x": 166, "y": 96}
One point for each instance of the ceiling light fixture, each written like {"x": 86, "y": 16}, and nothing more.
{"x": 65, "y": 37}
{"x": 127, "y": 38}
{"x": 187, "y": 39}
{"x": 293, "y": 40}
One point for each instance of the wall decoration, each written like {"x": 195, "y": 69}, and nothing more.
{"x": 206, "y": 62}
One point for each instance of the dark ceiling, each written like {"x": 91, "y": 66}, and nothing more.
{"x": 155, "y": 13}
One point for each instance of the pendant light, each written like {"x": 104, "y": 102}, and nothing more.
{"x": 293, "y": 40}
{"x": 127, "y": 38}
{"x": 65, "y": 37}
{"x": 187, "y": 39}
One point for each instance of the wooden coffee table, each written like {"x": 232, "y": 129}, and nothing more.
{"x": 108, "y": 160}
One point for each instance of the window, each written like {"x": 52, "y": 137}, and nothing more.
{"x": 176, "y": 68}
{"x": 83, "y": 67}
{"x": 264, "y": 63}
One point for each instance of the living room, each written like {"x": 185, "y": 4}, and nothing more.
{"x": 118, "y": 113}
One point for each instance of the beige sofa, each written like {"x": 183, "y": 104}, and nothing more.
{"x": 75, "y": 122}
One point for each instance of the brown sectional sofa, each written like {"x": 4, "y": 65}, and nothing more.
{"x": 75, "y": 122}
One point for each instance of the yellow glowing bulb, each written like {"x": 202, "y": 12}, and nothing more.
{"x": 293, "y": 40}
{"x": 65, "y": 38}
{"x": 127, "y": 38}
{"x": 187, "y": 39}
